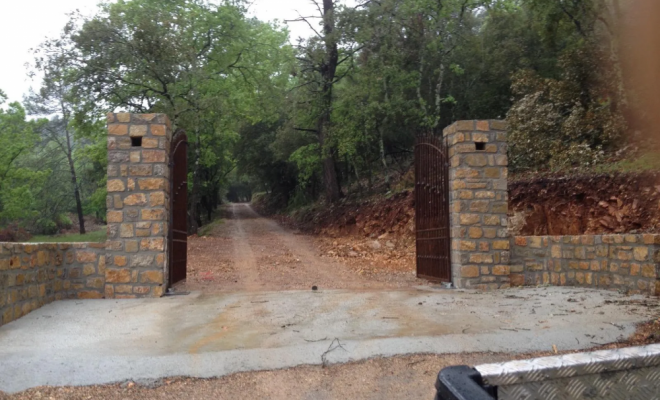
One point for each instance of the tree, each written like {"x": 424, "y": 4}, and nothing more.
{"x": 17, "y": 138}
{"x": 203, "y": 65}
{"x": 57, "y": 97}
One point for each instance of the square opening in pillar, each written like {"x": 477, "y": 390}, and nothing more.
{"x": 480, "y": 146}
{"x": 136, "y": 141}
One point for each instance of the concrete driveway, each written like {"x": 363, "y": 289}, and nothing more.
{"x": 201, "y": 335}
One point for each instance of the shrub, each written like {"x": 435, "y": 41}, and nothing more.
{"x": 14, "y": 233}
{"x": 572, "y": 121}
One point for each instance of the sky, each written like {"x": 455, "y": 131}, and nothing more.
{"x": 24, "y": 24}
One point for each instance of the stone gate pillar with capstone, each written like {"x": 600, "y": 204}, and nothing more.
{"x": 477, "y": 152}
{"x": 138, "y": 205}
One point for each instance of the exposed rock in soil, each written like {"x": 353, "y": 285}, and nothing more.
{"x": 595, "y": 204}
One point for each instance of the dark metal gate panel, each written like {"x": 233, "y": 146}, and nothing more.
{"x": 178, "y": 235}
{"x": 432, "y": 227}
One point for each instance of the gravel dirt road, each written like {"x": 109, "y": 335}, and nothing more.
{"x": 246, "y": 252}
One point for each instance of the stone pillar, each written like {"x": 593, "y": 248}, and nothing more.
{"x": 478, "y": 204}
{"x": 138, "y": 205}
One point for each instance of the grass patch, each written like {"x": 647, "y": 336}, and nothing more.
{"x": 207, "y": 229}
{"x": 645, "y": 162}
{"x": 96, "y": 236}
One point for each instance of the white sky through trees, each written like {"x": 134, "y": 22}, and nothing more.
{"x": 24, "y": 24}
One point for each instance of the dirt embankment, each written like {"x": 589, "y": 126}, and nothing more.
{"x": 594, "y": 204}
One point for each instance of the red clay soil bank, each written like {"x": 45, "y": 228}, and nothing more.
{"x": 596, "y": 204}
{"x": 370, "y": 218}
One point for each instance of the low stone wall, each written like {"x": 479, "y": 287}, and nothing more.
{"x": 35, "y": 274}
{"x": 629, "y": 263}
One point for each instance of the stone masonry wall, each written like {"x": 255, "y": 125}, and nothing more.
{"x": 138, "y": 204}
{"x": 478, "y": 204}
{"x": 35, "y": 274}
{"x": 629, "y": 263}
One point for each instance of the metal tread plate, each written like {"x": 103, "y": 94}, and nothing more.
{"x": 626, "y": 373}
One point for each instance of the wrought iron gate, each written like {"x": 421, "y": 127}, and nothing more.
{"x": 178, "y": 233}
{"x": 432, "y": 228}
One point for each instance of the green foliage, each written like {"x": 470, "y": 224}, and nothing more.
{"x": 17, "y": 180}
{"x": 344, "y": 105}
{"x": 308, "y": 161}
{"x": 567, "y": 122}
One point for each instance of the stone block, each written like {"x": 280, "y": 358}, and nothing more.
{"x": 501, "y": 270}
{"x": 158, "y": 130}
{"x": 483, "y": 126}
{"x": 126, "y": 231}
{"x": 123, "y": 289}
{"x": 142, "y": 232}
{"x": 468, "y": 245}
{"x": 640, "y": 253}
{"x": 465, "y": 194}
{"x": 492, "y": 173}
{"x": 476, "y": 160}
{"x": 157, "y": 291}
{"x": 492, "y": 220}
{"x": 116, "y": 185}
{"x": 157, "y": 244}
{"x": 480, "y": 206}
{"x": 635, "y": 269}
{"x": 137, "y": 199}
{"x": 117, "y": 129}
{"x": 469, "y": 271}
{"x": 157, "y": 199}
{"x": 152, "y": 183}
{"x": 122, "y": 275}
{"x": 484, "y": 195}
{"x": 89, "y": 269}
{"x": 131, "y": 246}
{"x": 134, "y": 156}
{"x": 501, "y": 245}
{"x": 154, "y": 156}
{"x": 138, "y": 130}
{"x": 469, "y": 219}
{"x": 469, "y": 173}
{"x": 151, "y": 277}
{"x": 123, "y": 117}
{"x": 86, "y": 256}
{"x": 141, "y": 289}
{"x": 481, "y": 258}
{"x": 142, "y": 260}
{"x": 95, "y": 283}
{"x": 152, "y": 215}
{"x": 649, "y": 271}
{"x": 140, "y": 170}
{"x": 149, "y": 143}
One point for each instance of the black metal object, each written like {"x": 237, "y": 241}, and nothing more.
{"x": 462, "y": 383}
{"x": 178, "y": 230}
{"x": 432, "y": 227}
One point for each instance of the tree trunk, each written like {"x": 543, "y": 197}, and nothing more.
{"x": 194, "y": 203}
{"x": 438, "y": 96}
{"x": 381, "y": 141}
{"x": 74, "y": 181}
{"x": 328, "y": 71}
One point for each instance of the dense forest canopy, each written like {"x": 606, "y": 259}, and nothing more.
{"x": 325, "y": 117}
